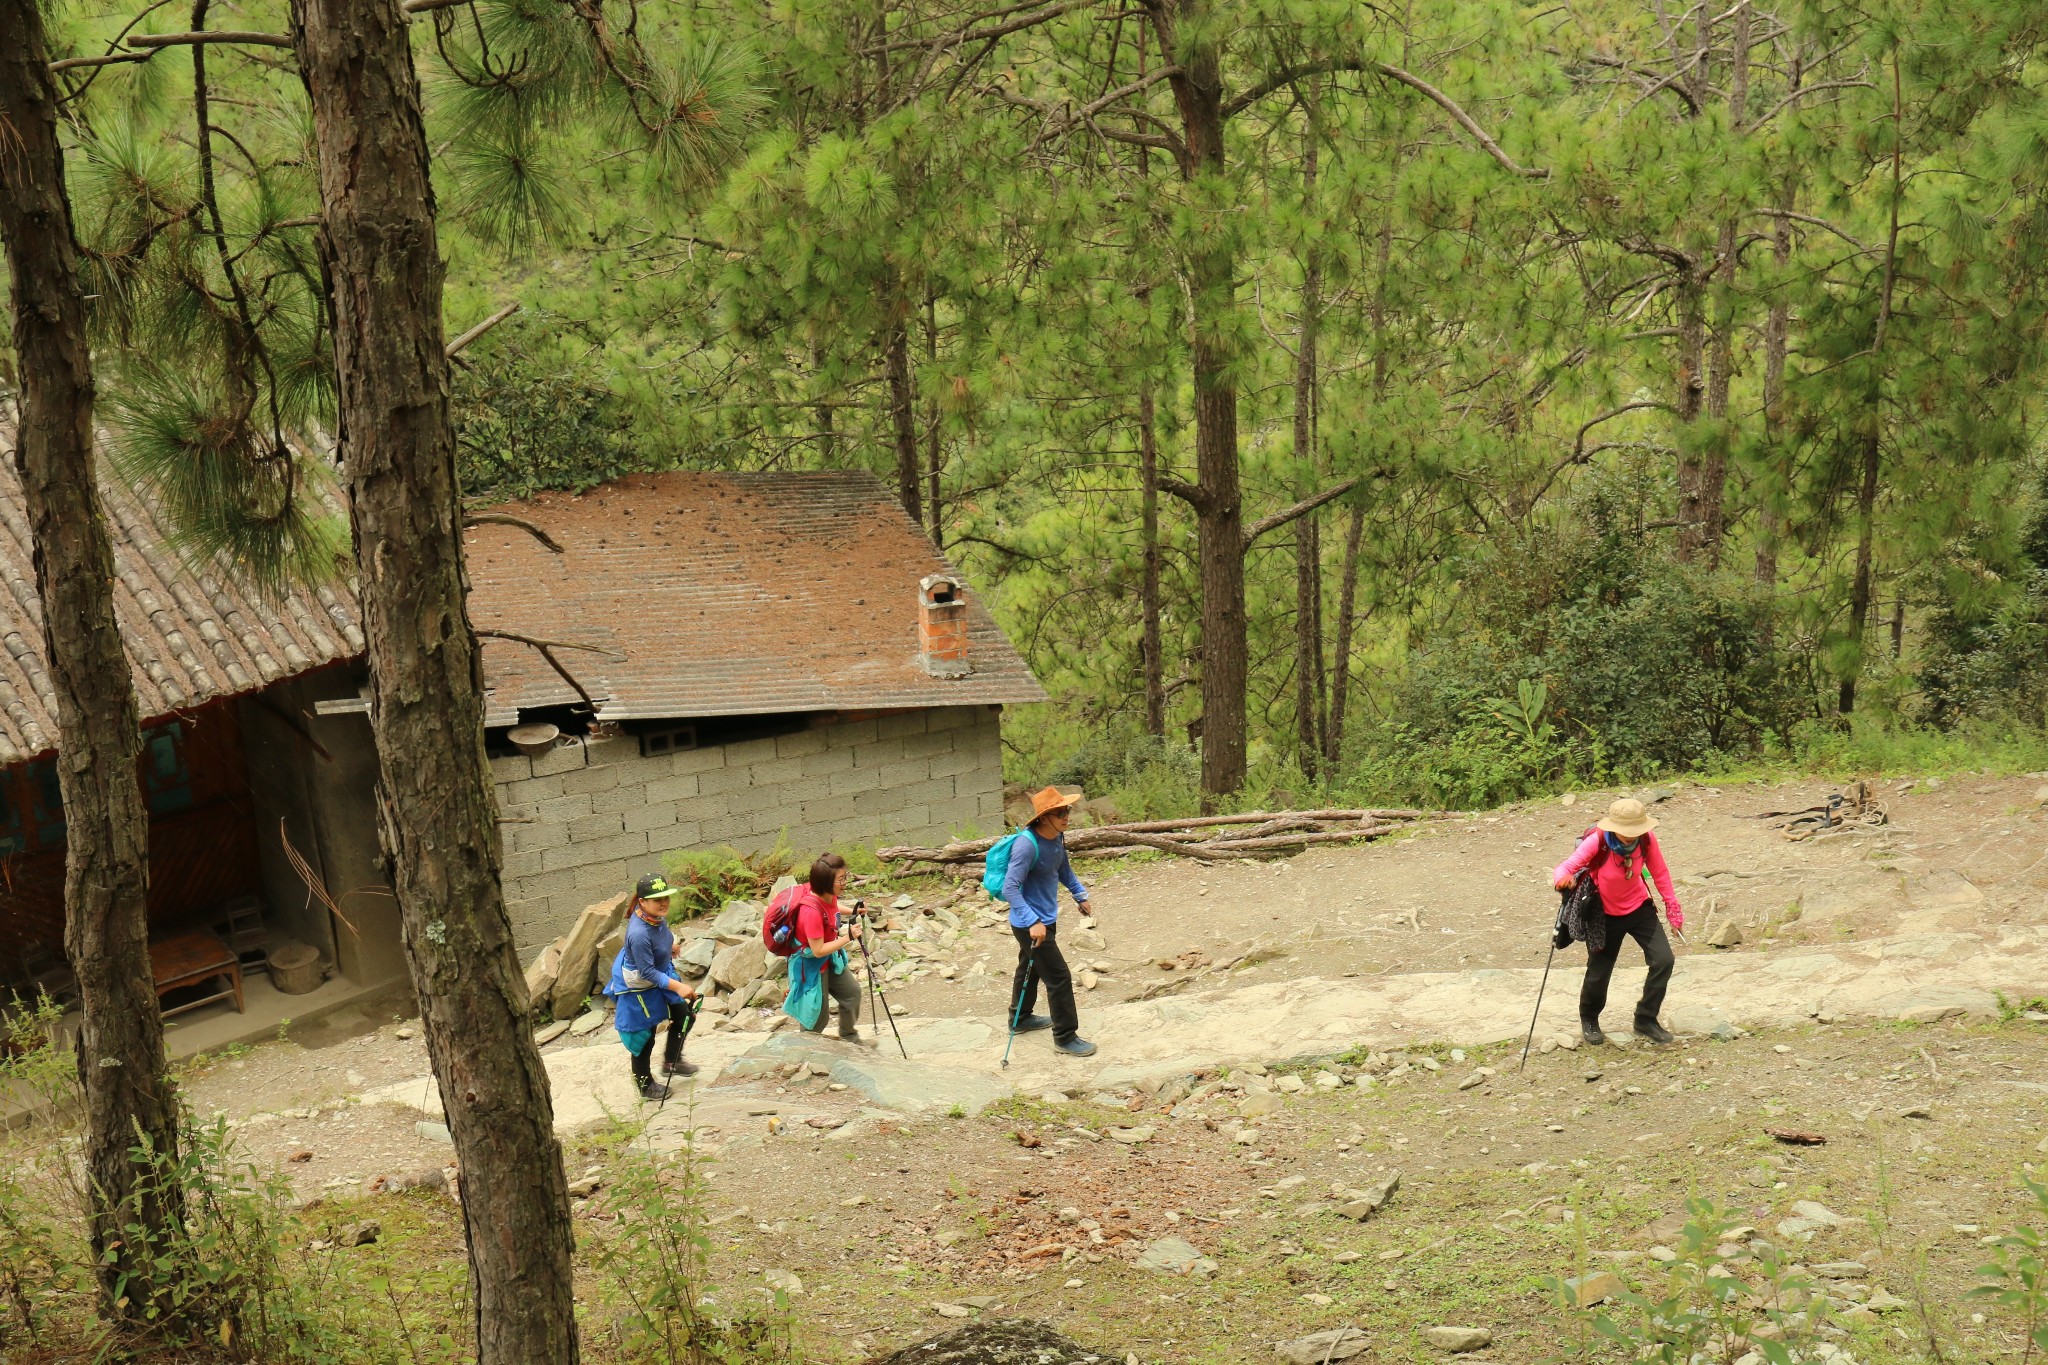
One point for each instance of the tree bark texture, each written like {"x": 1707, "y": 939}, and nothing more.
{"x": 129, "y": 1101}
{"x": 1860, "y": 585}
{"x": 1692, "y": 345}
{"x": 1308, "y": 577}
{"x": 935, "y": 457}
{"x": 1777, "y": 332}
{"x": 1347, "y": 620}
{"x": 903, "y": 418}
{"x": 1148, "y": 584}
{"x": 438, "y": 815}
{"x": 1219, "y": 503}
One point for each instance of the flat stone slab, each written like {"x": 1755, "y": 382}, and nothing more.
{"x": 910, "y": 1087}
{"x": 589, "y": 1085}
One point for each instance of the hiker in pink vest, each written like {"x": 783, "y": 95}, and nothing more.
{"x": 1616, "y": 853}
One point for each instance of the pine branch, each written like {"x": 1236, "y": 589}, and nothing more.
{"x": 212, "y": 35}
{"x": 1274, "y": 521}
{"x": 1288, "y": 75}
{"x": 460, "y": 343}
{"x": 547, "y": 650}
{"x": 470, "y": 519}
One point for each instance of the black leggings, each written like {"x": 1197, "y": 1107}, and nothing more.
{"x": 681, "y": 1015}
{"x": 1646, "y": 927}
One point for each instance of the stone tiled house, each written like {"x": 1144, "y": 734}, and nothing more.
{"x": 771, "y": 658}
{"x": 768, "y": 658}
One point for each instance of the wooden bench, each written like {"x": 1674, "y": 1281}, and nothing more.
{"x": 191, "y": 960}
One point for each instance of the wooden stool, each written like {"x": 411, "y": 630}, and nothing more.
{"x": 191, "y": 959}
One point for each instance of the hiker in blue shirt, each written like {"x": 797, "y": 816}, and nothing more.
{"x": 1038, "y": 866}
{"x": 645, "y": 989}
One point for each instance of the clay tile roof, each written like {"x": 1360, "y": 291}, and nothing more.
{"x": 193, "y": 636}
{"x": 723, "y": 594}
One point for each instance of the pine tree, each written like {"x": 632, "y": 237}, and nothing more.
{"x": 130, "y": 1105}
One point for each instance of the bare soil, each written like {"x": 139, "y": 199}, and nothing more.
{"x": 1585, "y": 1159}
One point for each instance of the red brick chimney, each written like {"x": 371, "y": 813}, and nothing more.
{"x": 942, "y": 626}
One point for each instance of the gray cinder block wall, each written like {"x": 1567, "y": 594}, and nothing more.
{"x": 581, "y": 823}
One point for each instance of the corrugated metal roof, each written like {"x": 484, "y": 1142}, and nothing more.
{"x": 723, "y": 594}
{"x": 192, "y": 636}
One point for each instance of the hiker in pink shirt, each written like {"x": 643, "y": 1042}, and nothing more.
{"x": 1617, "y": 853}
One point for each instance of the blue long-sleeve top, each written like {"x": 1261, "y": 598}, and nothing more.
{"x": 1038, "y": 868}
{"x": 647, "y": 962}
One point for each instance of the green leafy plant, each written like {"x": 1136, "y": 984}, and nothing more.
{"x": 656, "y": 1265}
{"x": 2016, "y": 1278}
{"x": 1704, "y": 1308}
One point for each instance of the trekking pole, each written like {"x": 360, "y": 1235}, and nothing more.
{"x": 668, "y": 1082}
{"x": 881, "y": 994}
{"x": 1527, "y": 1042}
{"x": 1542, "y": 987}
{"x": 1017, "y": 1012}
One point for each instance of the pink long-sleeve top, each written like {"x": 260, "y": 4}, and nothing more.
{"x": 1620, "y": 880}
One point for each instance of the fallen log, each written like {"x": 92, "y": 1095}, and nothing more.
{"x": 1102, "y": 836}
{"x": 1105, "y": 841}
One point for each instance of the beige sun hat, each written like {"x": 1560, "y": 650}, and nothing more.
{"x": 1627, "y": 818}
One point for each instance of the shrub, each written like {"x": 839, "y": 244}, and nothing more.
{"x": 655, "y": 1263}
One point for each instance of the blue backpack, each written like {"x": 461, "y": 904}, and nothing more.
{"x": 997, "y": 865}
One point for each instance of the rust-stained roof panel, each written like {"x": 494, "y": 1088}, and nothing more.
{"x": 723, "y": 594}
{"x": 192, "y": 635}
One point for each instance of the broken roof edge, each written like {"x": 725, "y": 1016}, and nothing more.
{"x": 499, "y": 717}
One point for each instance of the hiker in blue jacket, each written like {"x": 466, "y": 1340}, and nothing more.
{"x": 645, "y": 989}
{"x": 1038, "y": 866}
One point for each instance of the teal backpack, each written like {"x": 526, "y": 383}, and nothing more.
{"x": 997, "y": 865}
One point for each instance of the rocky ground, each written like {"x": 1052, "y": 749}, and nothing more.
{"x": 1327, "y": 1022}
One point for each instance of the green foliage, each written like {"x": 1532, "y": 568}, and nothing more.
{"x": 1700, "y": 1300}
{"x": 707, "y": 880}
{"x": 2016, "y": 1279}
{"x": 530, "y": 417}
{"x": 655, "y": 1263}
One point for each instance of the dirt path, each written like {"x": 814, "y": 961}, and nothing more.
{"x": 1393, "y": 933}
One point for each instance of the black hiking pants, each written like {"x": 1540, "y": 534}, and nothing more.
{"x": 1645, "y": 926}
{"x": 1044, "y": 964}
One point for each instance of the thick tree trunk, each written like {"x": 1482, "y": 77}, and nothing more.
{"x": 1860, "y": 585}
{"x": 935, "y": 460}
{"x": 1777, "y": 328}
{"x": 1218, "y": 503}
{"x": 1308, "y": 578}
{"x": 902, "y": 418}
{"x": 1692, "y": 334}
{"x": 438, "y": 821}
{"x": 1340, "y": 659}
{"x": 129, "y": 1101}
{"x": 1713, "y": 474}
{"x": 1148, "y": 584}
{"x": 1713, "y": 478}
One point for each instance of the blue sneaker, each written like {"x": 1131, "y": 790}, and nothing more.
{"x": 1032, "y": 1023}
{"x": 1076, "y": 1046}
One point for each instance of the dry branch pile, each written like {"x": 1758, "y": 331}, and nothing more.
{"x": 1210, "y": 838}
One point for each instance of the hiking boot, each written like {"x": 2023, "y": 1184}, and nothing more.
{"x": 1032, "y": 1023}
{"x": 653, "y": 1090}
{"x": 852, "y": 1035}
{"x": 1650, "y": 1031}
{"x": 1076, "y": 1046}
{"x": 1589, "y": 1029}
{"x": 677, "y": 1066}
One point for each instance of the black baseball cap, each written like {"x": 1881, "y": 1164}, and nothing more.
{"x": 655, "y": 887}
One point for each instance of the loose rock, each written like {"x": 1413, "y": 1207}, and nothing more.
{"x": 1458, "y": 1339}
{"x": 1339, "y": 1343}
{"x": 1599, "y": 1287}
